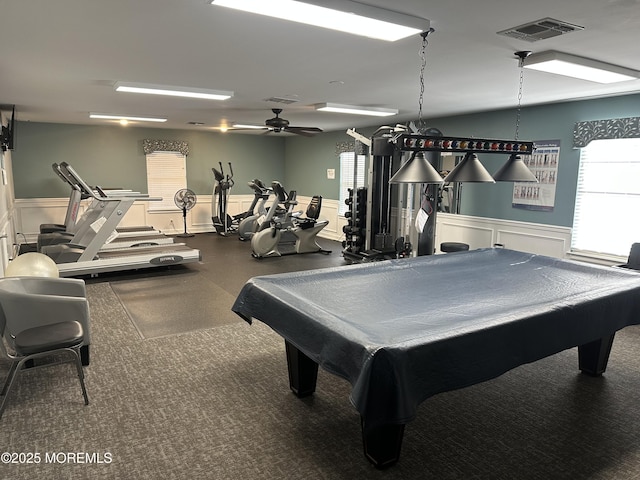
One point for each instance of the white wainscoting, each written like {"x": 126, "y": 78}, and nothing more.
{"x": 32, "y": 212}
{"x": 476, "y": 231}
{"x": 481, "y": 232}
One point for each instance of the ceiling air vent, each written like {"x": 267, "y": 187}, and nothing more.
{"x": 540, "y": 29}
{"x": 286, "y": 101}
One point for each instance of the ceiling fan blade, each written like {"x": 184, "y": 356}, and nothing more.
{"x": 305, "y": 131}
{"x": 254, "y": 129}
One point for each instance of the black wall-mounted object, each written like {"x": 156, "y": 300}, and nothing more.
{"x": 7, "y": 135}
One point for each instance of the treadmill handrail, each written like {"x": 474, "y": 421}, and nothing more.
{"x": 87, "y": 190}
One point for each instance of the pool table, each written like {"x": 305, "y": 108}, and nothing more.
{"x": 403, "y": 330}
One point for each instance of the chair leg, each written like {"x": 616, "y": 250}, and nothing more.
{"x": 13, "y": 374}
{"x": 10, "y": 375}
{"x": 81, "y": 375}
{"x": 17, "y": 366}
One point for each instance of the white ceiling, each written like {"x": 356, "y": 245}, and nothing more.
{"x": 59, "y": 60}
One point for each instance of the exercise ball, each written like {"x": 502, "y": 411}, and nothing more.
{"x": 32, "y": 265}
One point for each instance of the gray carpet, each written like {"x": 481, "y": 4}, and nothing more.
{"x": 215, "y": 404}
{"x": 173, "y": 304}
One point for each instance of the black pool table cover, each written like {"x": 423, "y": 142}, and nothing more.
{"x": 403, "y": 330}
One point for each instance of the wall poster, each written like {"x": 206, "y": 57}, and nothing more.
{"x": 543, "y": 163}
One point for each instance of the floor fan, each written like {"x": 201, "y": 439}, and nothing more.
{"x": 185, "y": 199}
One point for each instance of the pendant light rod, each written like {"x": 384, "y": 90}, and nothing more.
{"x": 423, "y": 65}
{"x": 514, "y": 169}
{"x": 522, "y": 55}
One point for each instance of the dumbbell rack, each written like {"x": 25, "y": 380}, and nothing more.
{"x": 356, "y": 215}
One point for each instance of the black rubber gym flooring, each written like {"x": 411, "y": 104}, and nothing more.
{"x": 195, "y": 296}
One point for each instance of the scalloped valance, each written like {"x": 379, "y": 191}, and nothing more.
{"x": 150, "y": 146}
{"x": 343, "y": 147}
{"x": 584, "y": 132}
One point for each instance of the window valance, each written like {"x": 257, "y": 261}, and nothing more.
{"x": 150, "y": 146}
{"x": 343, "y": 147}
{"x": 584, "y": 132}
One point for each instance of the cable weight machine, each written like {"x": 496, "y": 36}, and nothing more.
{"x": 390, "y": 232}
{"x": 371, "y": 227}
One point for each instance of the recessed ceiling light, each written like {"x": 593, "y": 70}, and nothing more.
{"x": 189, "y": 92}
{"x": 104, "y": 116}
{"x": 356, "y": 110}
{"x": 345, "y": 16}
{"x": 579, "y": 67}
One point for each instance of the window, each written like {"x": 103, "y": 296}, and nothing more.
{"x": 608, "y": 197}
{"x": 166, "y": 174}
{"x": 347, "y": 164}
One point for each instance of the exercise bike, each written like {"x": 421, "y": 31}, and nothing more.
{"x": 268, "y": 241}
{"x": 249, "y": 224}
{"x": 222, "y": 221}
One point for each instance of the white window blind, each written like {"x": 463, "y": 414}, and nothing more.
{"x": 347, "y": 160}
{"x": 608, "y": 197}
{"x": 166, "y": 174}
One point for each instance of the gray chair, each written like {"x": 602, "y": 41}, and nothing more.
{"x": 38, "y": 320}
{"x": 47, "y": 300}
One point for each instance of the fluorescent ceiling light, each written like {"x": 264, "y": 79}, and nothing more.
{"x": 579, "y": 67}
{"x": 342, "y": 15}
{"x": 125, "y": 117}
{"x": 172, "y": 91}
{"x": 353, "y": 109}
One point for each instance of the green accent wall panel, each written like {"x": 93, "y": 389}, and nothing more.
{"x": 113, "y": 157}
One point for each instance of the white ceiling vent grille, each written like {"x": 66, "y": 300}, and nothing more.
{"x": 284, "y": 100}
{"x": 540, "y": 29}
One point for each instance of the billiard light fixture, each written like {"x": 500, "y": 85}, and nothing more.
{"x": 342, "y": 15}
{"x": 417, "y": 170}
{"x": 579, "y": 67}
{"x": 188, "y": 92}
{"x": 470, "y": 169}
{"x": 355, "y": 110}
{"x": 104, "y": 116}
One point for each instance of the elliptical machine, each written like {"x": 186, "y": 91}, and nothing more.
{"x": 267, "y": 242}
{"x": 222, "y": 221}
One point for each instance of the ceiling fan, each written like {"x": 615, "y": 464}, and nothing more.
{"x": 278, "y": 124}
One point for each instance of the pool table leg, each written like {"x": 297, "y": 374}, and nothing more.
{"x": 303, "y": 372}
{"x": 382, "y": 443}
{"x": 593, "y": 356}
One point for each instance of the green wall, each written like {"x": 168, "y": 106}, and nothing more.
{"x": 112, "y": 156}
{"x": 307, "y": 161}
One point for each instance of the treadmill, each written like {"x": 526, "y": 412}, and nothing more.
{"x": 73, "y": 207}
{"x": 83, "y": 255}
{"x": 52, "y": 234}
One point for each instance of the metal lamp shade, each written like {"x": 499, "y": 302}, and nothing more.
{"x": 514, "y": 170}
{"x": 469, "y": 170}
{"x": 417, "y": 170}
